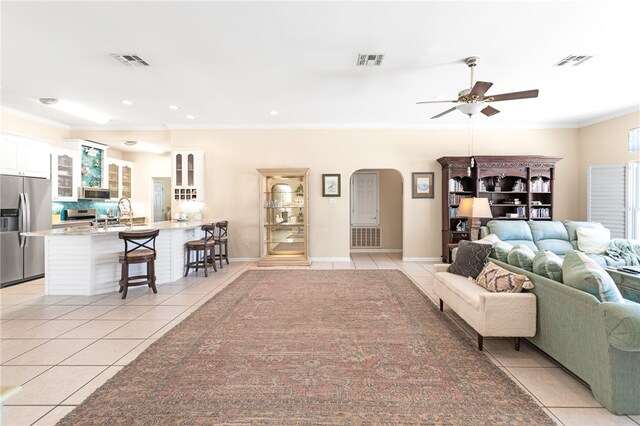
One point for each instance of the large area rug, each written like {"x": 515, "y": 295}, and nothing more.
{"x": 312, "y": 347}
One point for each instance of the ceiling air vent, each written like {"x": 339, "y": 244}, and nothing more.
{"x": 573, "y": 60}
{"x": 369, "y": 60}
{"x": 131, "y": 60}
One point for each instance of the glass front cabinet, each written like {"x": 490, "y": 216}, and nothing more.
{"x": 120, "y": 177}
{"x": 188, "y": 175}
{"x": 284, "y": 224}
{"x": 65, "y": 173}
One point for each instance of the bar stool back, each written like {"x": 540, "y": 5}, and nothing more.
{"x": 222, "y": 240}
{"x": 139, "y": 247}
{"x": 205, "y": 247}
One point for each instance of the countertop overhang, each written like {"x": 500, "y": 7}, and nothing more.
{"x": 92, "y": 232}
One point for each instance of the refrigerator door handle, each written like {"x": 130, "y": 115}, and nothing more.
{"x": 27, "y": 221}
{"x": 22, "y": 205}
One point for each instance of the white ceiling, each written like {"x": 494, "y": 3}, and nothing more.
{"x": 230, "y": 63}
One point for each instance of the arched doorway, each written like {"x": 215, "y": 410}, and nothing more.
{"x": 376, "y": 211}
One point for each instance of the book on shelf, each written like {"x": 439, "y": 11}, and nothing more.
{"x": 455, "y": 186}
{"x": 540, "y": 185}
{"x": 455, "y": 198}
{"x": 539, "y": 212}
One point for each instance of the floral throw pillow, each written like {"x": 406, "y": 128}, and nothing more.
{"x": 499, "y": 280}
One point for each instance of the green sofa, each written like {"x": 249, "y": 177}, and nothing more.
{"x": 598, "y": 341}
{"x": 555, "y": 236}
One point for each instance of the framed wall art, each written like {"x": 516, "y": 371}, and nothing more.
{"x": 330, "y": 185}
{"x": 422, "y": 185}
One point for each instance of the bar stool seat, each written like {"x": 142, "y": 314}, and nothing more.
{"x": 139, "y": 247}
{"x": 204, "y": 251}
{"x": 221, "y": 242}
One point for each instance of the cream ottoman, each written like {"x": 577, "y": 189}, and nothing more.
{"x": 489, "y": 314}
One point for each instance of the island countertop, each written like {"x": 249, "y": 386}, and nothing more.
{"x": 93, "y": 232}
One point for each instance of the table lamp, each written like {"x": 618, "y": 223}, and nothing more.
{"x": 474, "y": 209}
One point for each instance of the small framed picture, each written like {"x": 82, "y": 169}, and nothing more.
{"x": 422, "y": 185}
{"x": 331, "y": 185}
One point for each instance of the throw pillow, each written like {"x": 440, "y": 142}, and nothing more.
{"x": 501, "y": 250}
{"x": 583, "y": 273}
{"x": 470, "y": 259}
{"x": 522, "y": 257}
{"x": 499, "y": 280}
{"x": 548, "y": 264}
{"x": 593, "y": 240}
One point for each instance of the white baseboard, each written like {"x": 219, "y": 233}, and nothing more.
{"x": 244, "y": 259}
{"x": 376, "y": 250}
{"x": 422, "y": 259}
{"x": 331, "y": 259}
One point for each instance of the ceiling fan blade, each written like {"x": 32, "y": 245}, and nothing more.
{"x": 512, "y": 96}
{"x": 489, "y": 111}
{"x": 435, "y": 102}
{"x": 443, "y": 113}
{"x": 480, "y": 88}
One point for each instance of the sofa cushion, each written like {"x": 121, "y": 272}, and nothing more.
{"x": 572, "y": 227}
{"x": 512, "y": 231}
{"x": 489, "y": 239}
{"x": 501, "y": 251}
{"x": 499, "y": 280}
{"x": 583, "y": 273}
{"x": 593, "y": 240}
{"x": 548, "y": 264}
{"x": 462, "y": 287}
{"x": 470, "y": 259}
{"x": 622, "y": 321}
{"x": 522, "y": 257}
{"x": 551, "y": 236}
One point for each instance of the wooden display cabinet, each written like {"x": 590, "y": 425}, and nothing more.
{"x": 518, "y": 188}
{"x": 284, "y": 220}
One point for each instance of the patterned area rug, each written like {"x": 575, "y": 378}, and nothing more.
{"x": 310, "y": 347}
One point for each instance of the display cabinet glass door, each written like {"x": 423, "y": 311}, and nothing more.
{"x": 114, "y": 178}
{"x": 65, "y": 176}
{"x": 284, "y": 217}
{"x": 126, "y": 181}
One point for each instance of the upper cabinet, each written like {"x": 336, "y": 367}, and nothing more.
{"x": 93, "y": 172}
{"x": 187, "y": 169}
{"x": 23, "y": 156}
{"x": 65, "y": 174}
{"x": 120, "y": 178}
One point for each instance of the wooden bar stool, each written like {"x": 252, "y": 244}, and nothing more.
{"x": 221, "y": 241}
{"x": 139, "y": 247}
{"x": 204, "y": 251}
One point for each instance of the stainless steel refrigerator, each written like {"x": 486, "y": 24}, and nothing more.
{"x": 25, "y": 205}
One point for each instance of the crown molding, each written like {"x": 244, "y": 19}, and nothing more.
{"x": 611, "y": 116}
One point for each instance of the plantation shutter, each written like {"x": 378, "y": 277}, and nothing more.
{"x": 606, "y": 197}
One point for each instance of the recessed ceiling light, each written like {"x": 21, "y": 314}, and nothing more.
{"x": 174, "y": 107}
{"x": 274, "y": 112}
{"x": 189, "y": 117}
{"x": 75, "y": 109}
{"x": 126, "y": 102}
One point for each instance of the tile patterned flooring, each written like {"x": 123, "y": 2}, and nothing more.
{"x": 62, "y": 348}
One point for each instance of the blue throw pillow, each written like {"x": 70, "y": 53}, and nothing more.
{"x": 583, "y": 273}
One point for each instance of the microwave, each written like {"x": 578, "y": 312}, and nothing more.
{"x": 87, "y": 193}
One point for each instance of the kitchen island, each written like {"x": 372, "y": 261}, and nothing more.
{"x": 83, "y": 261}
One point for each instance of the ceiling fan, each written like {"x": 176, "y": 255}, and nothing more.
{"x": 473, "y": 100}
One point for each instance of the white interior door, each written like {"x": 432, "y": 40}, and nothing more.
{"x": 158, "y": 201}
{"x": 364, "y": 199}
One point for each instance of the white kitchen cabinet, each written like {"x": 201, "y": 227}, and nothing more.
{"x": 93, "y": 171}
{"x": 187, "y": 169}
{"x": 23, "y": 156}
{"x": 120, "y": 178}
{"x": 65, "y": 174}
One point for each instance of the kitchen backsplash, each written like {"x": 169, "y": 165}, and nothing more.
{"x": 102, "y": 207}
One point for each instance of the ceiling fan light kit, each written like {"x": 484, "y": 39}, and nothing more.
{"x": 473, "y": 100}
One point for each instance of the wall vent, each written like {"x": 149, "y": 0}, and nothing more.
{"x": 370, "y": 60}
{"x": 573, "y": 60}
{"x": 366, "y": 237}
{"x": 131, "y": 60}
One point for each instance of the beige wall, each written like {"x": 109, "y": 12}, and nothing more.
{"x": 604, "y": 143}
{"x": 231, "y": 180}
{"x": 390, "y": 183}
{"x": 232, "y": 156}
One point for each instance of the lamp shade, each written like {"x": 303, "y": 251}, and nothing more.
{"x": 474, "y": 207}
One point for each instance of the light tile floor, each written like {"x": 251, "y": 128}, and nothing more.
{"x": 62, "y": 348}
